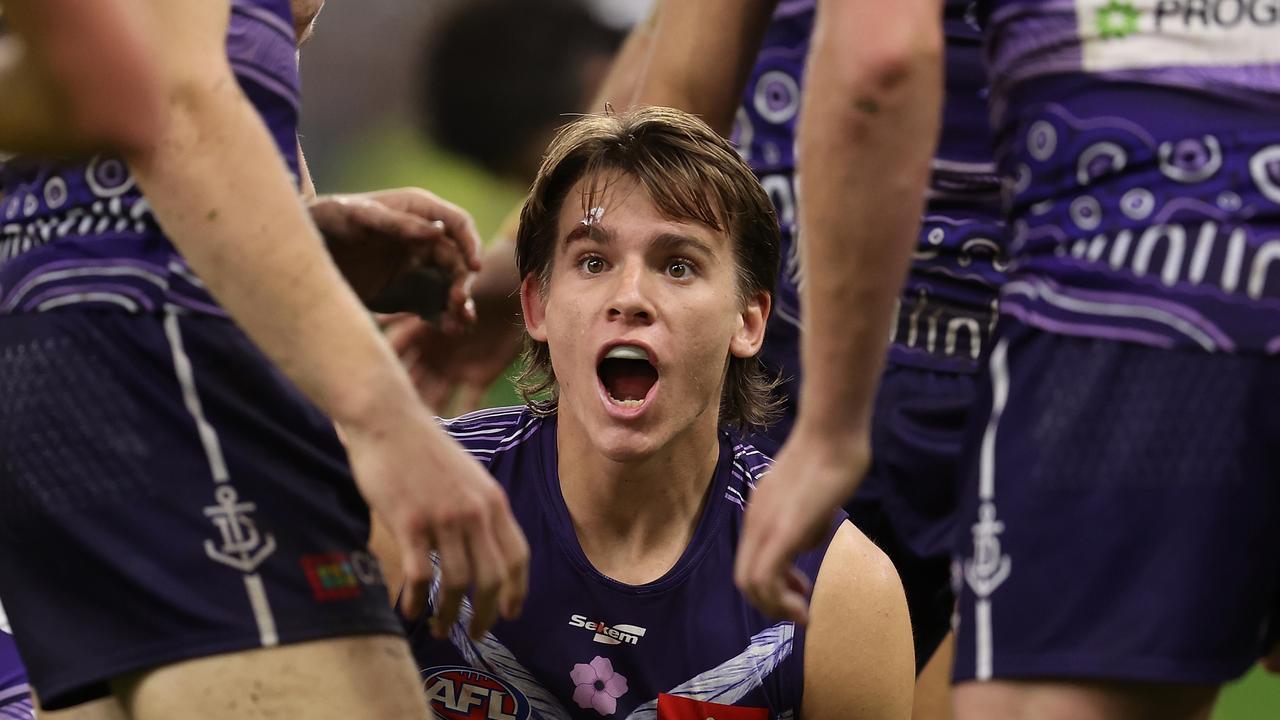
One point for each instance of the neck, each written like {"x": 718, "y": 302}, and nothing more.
{"x": 635, "y": 518}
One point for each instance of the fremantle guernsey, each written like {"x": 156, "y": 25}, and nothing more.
{"x": 948, "y": 305}
{"x": 687, "y": 645}
{"x": 81, "y": 234}
{"x": 1140, "y": 152}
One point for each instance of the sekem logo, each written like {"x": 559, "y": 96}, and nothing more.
{"x": 606, "y": 635}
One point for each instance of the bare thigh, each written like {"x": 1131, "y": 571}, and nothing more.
{"x": 1092, "y": 700}
{"x": 367, "y": 676}
{"x": 933, "y": 685}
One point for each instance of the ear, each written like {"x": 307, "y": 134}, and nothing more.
{"x": 750, "y": 335}
{"x": 534, "y": 306}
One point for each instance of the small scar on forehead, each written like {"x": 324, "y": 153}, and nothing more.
{"x": 593, "y": 216}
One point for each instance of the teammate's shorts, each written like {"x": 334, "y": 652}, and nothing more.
{"x": 166, "y": 494}
{"x": 1120, "y": 511}
{"x": 907, "y": 503}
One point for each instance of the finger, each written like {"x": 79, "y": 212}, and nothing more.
{"x": 377, "y": 218}
{"x": 457, "y": 222}
{"x": 455, "y": 577}
{"x": 406, "y": 334}
{"x": 415, "y": 564}
{"x": 515, "y": 552}
{"x": 762, "y": 577}
{"x": 487, "y": 560}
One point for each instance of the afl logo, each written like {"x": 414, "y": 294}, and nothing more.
{"x": 462, "y": 693}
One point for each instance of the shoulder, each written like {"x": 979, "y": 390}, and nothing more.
{"x": 858, "y": 654}
{"x": 486, "y": 433}
{"x": 746, "y": 467}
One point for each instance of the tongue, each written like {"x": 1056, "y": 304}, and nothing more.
{"x": 627, "y": 379}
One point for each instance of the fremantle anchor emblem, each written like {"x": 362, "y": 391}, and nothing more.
{"x": 243, "y": 547}
{"x": 988, "y": 567}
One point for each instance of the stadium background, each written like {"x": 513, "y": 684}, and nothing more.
{"x": 362, "y": 130}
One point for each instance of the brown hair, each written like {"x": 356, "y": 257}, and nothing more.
{"x": 691, "y": 174}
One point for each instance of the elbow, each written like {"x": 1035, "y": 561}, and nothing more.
{"x": 899, "y": 65}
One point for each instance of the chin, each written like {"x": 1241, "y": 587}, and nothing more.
{"x": 622, "y": 445}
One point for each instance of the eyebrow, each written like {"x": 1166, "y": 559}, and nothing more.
{"x": 674, "y": 242}
{"x": 602, "y": 235}
{"x": 671, "y": 242}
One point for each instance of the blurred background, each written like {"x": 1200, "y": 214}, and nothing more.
{"x": 461, "y": 96}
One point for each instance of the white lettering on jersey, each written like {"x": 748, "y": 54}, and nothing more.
{"x": 1131, "y": 34}
{"x": 606, "y": 635}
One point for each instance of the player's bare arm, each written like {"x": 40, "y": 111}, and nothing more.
{"x": 858, "y": 654}
{"x": 868, "y": 130}
{"x": 701, "y": 56}
{"x": 77, "y": 77}
{"x": 290, "y": 298}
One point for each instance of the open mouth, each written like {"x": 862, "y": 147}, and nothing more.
{"x": 627, "y": 375}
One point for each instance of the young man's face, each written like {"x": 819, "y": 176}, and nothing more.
{"x": 641, "y": 316}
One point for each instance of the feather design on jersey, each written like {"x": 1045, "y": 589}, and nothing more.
{"x": 730, "y": 681}
{"x": 492, "y": 656}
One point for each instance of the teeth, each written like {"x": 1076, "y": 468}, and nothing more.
{"x": 626, "y": 403}
{"x": 628, "y": 352}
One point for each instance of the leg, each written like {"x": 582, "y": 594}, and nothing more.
{"x": 1047, "y": 700}
{"x": 1101, "y": 571}
{"x": 933, "y": 686}
{"x": 203, "y": 510}
{"x": 908, "y": 501}
{"x": 338, "y": 679}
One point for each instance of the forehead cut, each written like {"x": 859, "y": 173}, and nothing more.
{"x": 676, "y": 196}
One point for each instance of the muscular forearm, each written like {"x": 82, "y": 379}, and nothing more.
{"x": 702, "y": 53}
{"x": 623, "y": 79}
{"x": 868, "y": 130}
{"x": 221, "y": 191}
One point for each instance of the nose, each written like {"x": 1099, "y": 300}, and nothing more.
{"x": 631, "y": 301}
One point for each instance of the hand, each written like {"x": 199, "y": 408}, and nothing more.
{"x": 790, "y": 511}
{"x": 452, "y": 373}
{"x": 433, "y": 497}
{"x": 376, "y": 238}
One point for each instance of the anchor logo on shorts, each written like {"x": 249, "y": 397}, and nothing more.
{"x": 243, "y": 547}
{"x": 988, "y": 567}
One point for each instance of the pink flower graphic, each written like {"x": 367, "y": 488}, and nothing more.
{"x": 599, "y": 687}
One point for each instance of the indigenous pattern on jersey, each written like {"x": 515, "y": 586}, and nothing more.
{"x": 15, "y": 693}
{"x": 948, "y": 305}
{"x": 1141, "y": 160}
{"x": 75, "y": 233}
{"x": 687, "y": 645}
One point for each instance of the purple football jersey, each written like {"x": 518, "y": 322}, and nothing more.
{"x": 82, "y": 233}
{"x": 948, "y": 304}
{"x": 1141, "y": 161}
{"x": 588, "y": 646}
{"x": 15, "y": 693}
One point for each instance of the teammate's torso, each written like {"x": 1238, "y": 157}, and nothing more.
{"x": 948, "y": 303}
{"x": 1141, "y": 159}
{"x": 73, "y": 233}
{"x": 587, "y": 646}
